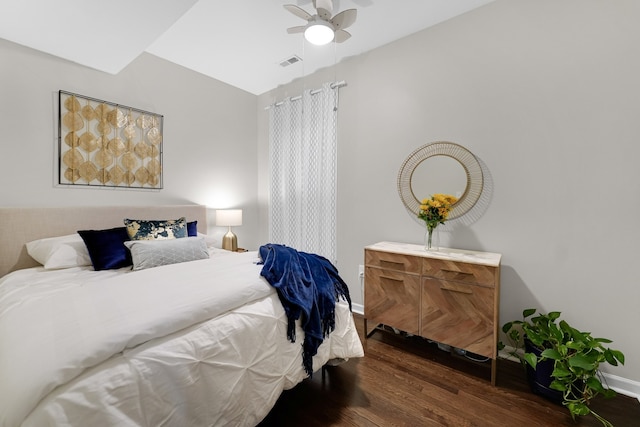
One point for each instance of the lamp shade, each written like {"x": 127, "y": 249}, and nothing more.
{"x": 319, "y": 33}
{"x": 228, "y": 217}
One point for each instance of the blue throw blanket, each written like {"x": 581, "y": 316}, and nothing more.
{"x": 308, "y": 286}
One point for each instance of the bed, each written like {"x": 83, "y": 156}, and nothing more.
{"x": 199, "y": 341}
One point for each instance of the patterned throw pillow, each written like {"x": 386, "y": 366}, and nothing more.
{"x": 139, "y": 229}
{"x": 154, "y": 253}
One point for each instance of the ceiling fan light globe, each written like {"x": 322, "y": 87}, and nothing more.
{"x": 319, "y": 33}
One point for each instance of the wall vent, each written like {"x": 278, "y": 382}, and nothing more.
{"x": 289, "y": 61}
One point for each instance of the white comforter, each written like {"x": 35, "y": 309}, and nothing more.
{"x": 198, "y": 343}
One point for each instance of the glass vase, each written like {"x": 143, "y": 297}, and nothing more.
{"x": 431, "y": 239}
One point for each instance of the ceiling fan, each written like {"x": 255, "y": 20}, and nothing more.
{"x": 322, "y": 27}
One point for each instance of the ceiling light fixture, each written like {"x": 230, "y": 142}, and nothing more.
{"x": 319, "y": 32}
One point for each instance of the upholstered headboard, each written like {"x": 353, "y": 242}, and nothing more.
{"x": 21, "y": 225}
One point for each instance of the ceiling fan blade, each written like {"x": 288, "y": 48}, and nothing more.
{"x": 341, "y": 35}
{"x": 299, "y": 12}
{"x": 345, "y": 18}
{"x": 324, "y": 8}
{"x": 295, "y": 30}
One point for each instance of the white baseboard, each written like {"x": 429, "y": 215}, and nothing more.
{"x": 357, "y": 308}
{"x": 623, "y": 385}
{"x": 506, "y": 353}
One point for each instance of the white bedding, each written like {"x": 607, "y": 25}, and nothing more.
{"x": 197, "y": 343}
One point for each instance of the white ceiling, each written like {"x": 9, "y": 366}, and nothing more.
{"x": 239, "y": 42}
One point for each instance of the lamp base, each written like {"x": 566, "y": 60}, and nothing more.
{"x": 230, "y": 241}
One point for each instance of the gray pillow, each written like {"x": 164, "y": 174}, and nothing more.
{"x": 154, "y": 253}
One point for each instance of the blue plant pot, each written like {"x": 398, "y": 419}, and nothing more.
{"x": 540, "y": 378}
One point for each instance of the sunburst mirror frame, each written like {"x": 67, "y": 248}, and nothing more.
{"x": 105, "y": 144}
{"x": 469, "y": 162}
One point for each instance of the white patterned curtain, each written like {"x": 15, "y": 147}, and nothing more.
{"x": 303, "y": 154}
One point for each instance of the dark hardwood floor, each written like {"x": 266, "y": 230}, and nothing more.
{"x": 410, "y": 382}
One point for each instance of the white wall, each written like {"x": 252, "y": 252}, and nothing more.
{"x": 210, "y": 134}
{"x": 545, "y": 93}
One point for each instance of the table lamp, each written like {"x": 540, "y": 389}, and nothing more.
{"x": 229, "y": 218}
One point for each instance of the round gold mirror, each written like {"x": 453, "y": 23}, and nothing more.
{"x": 441, "y": 167}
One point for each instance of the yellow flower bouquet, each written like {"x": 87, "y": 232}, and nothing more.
{"x": 433, "y": 211}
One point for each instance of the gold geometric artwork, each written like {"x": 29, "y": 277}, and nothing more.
{"x": 110, "y": 145}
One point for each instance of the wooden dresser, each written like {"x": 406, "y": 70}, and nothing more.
{"x": 450, "y": 296}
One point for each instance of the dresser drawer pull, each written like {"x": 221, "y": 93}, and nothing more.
{"x": 393, "y": 279}
{"x": 392, "y": 264}
{"x": 462, "y": 291}
{"x": 462, "y": 273}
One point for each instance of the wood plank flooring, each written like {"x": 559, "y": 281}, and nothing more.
{"x": 409, "y": 382}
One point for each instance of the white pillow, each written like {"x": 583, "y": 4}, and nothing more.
{"x": 209, "y": 240}
{"x": 154, "y": 253}
{"x": 60, "y": 252}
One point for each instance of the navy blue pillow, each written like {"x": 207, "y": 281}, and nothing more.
{"x": 192, "y": 229}
{"x": 106, "y": 248}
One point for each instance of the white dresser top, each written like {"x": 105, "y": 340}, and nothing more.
{"x": 473, "y": 257}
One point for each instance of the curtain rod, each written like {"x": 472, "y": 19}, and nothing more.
{"x": 334, "y": 85}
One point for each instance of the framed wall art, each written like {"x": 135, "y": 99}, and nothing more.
{"x": 108, "y": 145}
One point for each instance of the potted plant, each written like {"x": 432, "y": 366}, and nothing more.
{"x": 571, "y": 357}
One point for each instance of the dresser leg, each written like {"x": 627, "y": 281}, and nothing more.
{"x": 368, "y": 333}
{"x": 494, "y": 366}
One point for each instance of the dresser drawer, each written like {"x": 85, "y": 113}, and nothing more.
{"x": 392, "y": 261}
{"x": 460, "y": 272}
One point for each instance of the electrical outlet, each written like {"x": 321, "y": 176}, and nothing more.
{"x": 361, "y": 271}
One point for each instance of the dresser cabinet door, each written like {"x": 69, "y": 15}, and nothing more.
{"x": 392, "y": 298}
{"x": 459, "y": 314}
